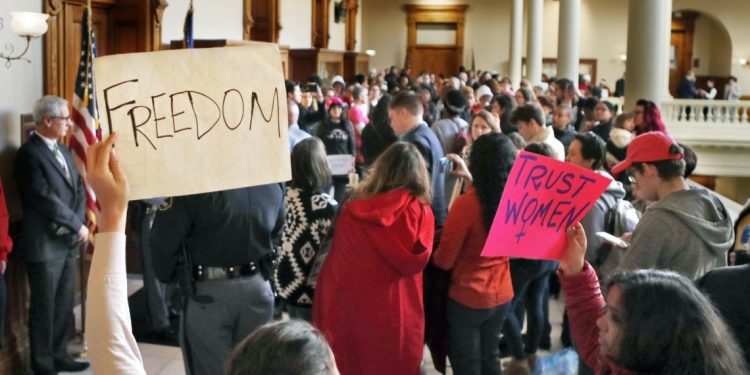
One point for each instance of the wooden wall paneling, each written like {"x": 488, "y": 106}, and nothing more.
{"x": 355, "y": 63}
{"x": 303, "y": 63}
{"x": 320, "y": 20}
{"x": 260, "y": 21}
{"x": 15, "y": 354}
{"x": 352, "y": 7}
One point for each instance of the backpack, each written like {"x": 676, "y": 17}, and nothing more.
{"x": 621, "y": 218}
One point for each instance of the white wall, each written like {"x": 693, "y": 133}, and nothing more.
{"x": 20, "y": 86}
{"x": 296, "y": 23}
{"x": 214, "y": 19}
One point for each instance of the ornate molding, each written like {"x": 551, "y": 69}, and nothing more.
{"x": 157, "y": 15}
{"x": 247, "y": 19}
{"x": 53, "y": 7}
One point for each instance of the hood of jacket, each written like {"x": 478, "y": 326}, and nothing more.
{"x": 615, "y": 189}
{"x": 401, "y": 228}
{"x": 703, "y": 214}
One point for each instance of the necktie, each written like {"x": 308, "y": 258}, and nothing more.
{"x": 62, "y": 162}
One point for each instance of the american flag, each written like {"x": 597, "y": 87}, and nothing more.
{"x": 85, "y": 116}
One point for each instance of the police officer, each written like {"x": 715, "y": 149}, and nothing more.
{"x": 157, "y": 309}
{"x": 227, "y": 238}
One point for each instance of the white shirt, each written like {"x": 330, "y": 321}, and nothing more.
{"x": 112, "y": 347}
{"x": 50, "y": 142}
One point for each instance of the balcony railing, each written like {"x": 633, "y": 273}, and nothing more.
{"x": 706, "y": 111}
{"x": 719, "y": 123}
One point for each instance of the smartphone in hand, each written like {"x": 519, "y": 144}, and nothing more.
{"x": 606, "y": 237}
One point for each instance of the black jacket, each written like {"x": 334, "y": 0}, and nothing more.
{"x": 218, "y": 229}
{"x": 53, "y": 206}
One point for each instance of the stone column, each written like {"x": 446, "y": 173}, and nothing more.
{"x": 534, "y": 42}
{"x": 516, "y": 41}
{"x": 568, "y": 40}
{"x": 647, "y": 68}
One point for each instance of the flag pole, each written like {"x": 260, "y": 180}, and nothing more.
{"x": 83, "y": 247}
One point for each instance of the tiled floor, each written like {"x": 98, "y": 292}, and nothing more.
{"x": 167, "y": 360}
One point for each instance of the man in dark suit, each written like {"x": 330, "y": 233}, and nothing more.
{"x": 53, "y": 199}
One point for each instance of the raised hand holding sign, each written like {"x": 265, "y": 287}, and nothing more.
{"x": 542, "y": 198}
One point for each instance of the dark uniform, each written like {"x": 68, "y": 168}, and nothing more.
{"x": 228, "y": 239}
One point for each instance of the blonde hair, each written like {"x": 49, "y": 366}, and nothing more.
{"x": 399, "y": 166}
{"x": 488, "y": 118}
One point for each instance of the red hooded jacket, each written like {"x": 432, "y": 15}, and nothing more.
{"x": 6, "y": 244}
{"x": 368, "y": 300}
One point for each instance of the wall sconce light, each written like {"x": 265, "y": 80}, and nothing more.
{"x": 370, "y": 52}
{"x": 623, "y": 57}
{"x": 28, "y": 25}
{"x": 742, "y": 61}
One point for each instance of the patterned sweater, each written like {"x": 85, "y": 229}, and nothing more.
{"x": 309, "y": 216}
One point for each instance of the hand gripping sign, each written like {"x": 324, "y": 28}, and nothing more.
{"x": 542, "y": 198}
{"x": 196, "y": 120}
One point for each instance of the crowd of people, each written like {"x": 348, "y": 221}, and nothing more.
{"x": 374, "y": 263}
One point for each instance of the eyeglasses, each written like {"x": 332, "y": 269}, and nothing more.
{"x": 66, "y": 118}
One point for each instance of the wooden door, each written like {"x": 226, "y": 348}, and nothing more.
{"x": 436, "y": 59}
{"x": 443, "y": 56}
{"x": 681, "y": 48}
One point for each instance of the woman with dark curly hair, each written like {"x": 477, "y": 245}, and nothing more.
{"x": 648, "y": 117}
{"x": 480, "y": 290}
{"x": 653, "y": 322}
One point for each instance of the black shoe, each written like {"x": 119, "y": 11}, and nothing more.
{"x": 545, "y": 343}
{"x": 168, "y": 334}
{"x": 70, "y": 365}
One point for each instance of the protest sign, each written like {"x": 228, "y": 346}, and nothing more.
{"x": 196, "y": 120}
{"x": 341, "y": 165}
{"x": 541, "y": 199}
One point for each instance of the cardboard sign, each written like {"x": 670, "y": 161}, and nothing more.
{"x": 542, "y": 198}
{"x": 341, "y": 165}
{"x": 196, "y": 120}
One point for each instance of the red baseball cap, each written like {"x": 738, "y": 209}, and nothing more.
{"x": 651, "y": 146}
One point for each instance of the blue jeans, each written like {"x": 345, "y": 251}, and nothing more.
{"x": 530, "y": 283}
{"x": 473, "y": 337}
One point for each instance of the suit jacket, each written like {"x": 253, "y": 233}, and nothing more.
{"x": 53, "y": 206}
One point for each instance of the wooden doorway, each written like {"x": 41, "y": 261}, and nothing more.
{"x": 681, "y": 48}
{"x": 435, "y": 38}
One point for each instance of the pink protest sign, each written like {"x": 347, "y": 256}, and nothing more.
{"x": 542, "y": 198}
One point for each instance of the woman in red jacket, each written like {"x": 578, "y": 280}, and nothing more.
{"x": 368, "y": 300}
{"x": 6, "y": 245}
{"x": 653, "y": 322}
{"x": 481, "y": 290}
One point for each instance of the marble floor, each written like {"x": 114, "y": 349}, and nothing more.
{"x": 167, "y": 360}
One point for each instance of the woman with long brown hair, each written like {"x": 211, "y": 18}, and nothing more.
{"x": 368, "y": 300}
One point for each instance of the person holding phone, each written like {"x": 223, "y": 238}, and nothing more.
{"x": 588, "y": 151}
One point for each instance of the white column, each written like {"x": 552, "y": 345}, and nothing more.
{"x": 516, "y": 41}
{"x": 534, "y": 42}
{"x": 568, "y": 40}
{"x": 647, "y": 68}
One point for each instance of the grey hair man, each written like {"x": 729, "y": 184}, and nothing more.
{"x": 53, "y": 228}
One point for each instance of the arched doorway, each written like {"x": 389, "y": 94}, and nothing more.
{"x": 700, "y": 43}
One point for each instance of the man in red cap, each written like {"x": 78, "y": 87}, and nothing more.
{"x": 687, "y": 230}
